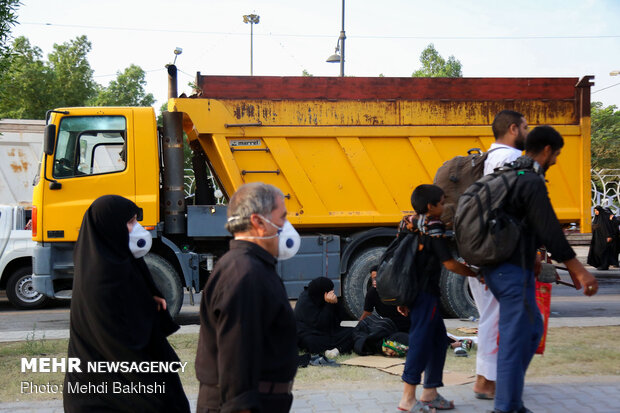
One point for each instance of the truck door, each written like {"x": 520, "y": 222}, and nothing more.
{"x": 93, "y": 157}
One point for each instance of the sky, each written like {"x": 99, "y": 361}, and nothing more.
{"x": 519, "y": 38}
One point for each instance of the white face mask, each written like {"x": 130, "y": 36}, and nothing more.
{"x": 140, "y": 241}
{"x": 289, "y": 240}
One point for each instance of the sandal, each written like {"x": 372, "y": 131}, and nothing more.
{"x": 460, "y": 352}
{"x": 322, "y": 361}
{"x": 439, "y": 403}
{"x": 484, "y": 396}
{"x": 418, "y": 407}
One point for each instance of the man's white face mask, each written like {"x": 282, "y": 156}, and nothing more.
{"x": 288, "y": 242}
{"x": 140, "y": 241}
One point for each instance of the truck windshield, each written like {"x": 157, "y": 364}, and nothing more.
{"x": 90, "y": 145}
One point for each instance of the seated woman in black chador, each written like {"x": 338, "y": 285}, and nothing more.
{"x": 318, "y": 318}
{"x": 117, "y": 314}
{"x": 603, "y": 247}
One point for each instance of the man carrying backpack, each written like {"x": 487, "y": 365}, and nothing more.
{"x": 510, "y": 130}
{"x": 512, "y": 281}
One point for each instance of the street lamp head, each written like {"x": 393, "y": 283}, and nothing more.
{"x": 177, "y": 52}
{"x": 335, "y": 58}
{"x": 251, "y": 18}
{"x": 614, "y": 73}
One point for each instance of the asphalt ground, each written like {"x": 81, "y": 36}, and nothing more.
{"x": 549, "y": 395}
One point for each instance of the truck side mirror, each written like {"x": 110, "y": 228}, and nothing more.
{"x": 49, "y": 138}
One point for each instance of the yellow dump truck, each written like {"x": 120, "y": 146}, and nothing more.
{"x": 346, "y": 152}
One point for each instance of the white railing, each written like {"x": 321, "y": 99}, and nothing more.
{"x": 190, "y": 185}
{"x": 606, "y": 188}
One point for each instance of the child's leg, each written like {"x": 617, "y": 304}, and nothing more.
{"x": 408, "y": 399}
{"x": 433, "y": 373}
{"x": 420, "y": 346}
{"x": 420, "y": 337}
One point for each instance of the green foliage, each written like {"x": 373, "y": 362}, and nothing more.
{"x": 26, "y": 84}
{"x": 30, "y": 86}
{"x": 126, "y": 90}
{"x": 73, "y": 77}
{"x": 8, "y": 18}
{"x": 605, "y": 143}
{"x": 433, "y": 65}
{"x": 305, "y": 73}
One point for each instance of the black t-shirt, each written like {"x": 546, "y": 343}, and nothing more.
{"x": 432, "y": 251}
{"x": 373, "y": 302}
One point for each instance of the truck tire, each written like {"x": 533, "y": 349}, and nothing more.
{"x": 456, "y": 298}
{"x": 358, "y": 279}
{"x": 167, "y": 280}
{"x": 20, "y": 292}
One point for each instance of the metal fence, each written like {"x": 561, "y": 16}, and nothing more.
{"x": 190, "y": 186}
{"x": 606, "y": 188}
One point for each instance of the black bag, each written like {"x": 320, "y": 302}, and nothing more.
{"x": 369, "y": 333}
{"x": 485, "y": 233}
{"x": 397, "y": 283}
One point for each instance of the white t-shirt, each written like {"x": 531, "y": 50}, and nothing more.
{"x": 500, "y": 157}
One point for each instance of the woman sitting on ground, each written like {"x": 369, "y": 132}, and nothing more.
{"x": 318, "y": 318}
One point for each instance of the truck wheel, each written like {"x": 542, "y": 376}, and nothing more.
{"x": 20, "y": 292}
{"x": 358, "y": 279}
{"x": 167, "y": 280}
{"x": 456, "y": 298}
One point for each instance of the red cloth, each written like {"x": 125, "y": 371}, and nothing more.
{"x": 543, "y": 299}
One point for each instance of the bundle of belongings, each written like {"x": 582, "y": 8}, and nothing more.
{"x": 378, "y": 335}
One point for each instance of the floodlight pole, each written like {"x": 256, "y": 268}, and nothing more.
{"x": 341, "y": 38}
{"x": 252, "y": 19}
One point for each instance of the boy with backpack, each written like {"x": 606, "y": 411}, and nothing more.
{"x": 428, "y": 341}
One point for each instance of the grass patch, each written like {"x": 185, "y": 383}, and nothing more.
{"x": 571, "y": 351}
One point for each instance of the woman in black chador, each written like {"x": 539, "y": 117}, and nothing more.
{"x": 603, "y": 247}
{"x": 318, "y": 318}
{"x": 117, "y": 314}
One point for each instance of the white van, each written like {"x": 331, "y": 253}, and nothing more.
{"x": 16, "y": 250}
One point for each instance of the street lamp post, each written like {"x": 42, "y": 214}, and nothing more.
{"x": 252, "y": 19}
{"x": 339, "y": 47}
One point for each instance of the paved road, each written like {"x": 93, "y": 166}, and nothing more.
{"x": 551, "y": 396}
{"x": 565, "y": 302}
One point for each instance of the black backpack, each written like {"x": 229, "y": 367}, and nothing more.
{"x": 397, "y": 283}
{"x": 485, "y": 233}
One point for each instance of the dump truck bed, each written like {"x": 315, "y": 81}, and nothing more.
{"x": 348, "y": 152}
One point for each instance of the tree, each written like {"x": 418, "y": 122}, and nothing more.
{"x": 8, "y": 18}
{"x": 605, "y": 136}
{"x": 126, "y": 90}
{"x": 25, "y": 85}
{"x": 73, "y": 78}
{"x": 433, "y": 65}
{"x": 30, "y": 86}
{"x": 305, "y": 73}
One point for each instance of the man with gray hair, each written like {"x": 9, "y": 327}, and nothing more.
{"x": 247, "y": 347}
